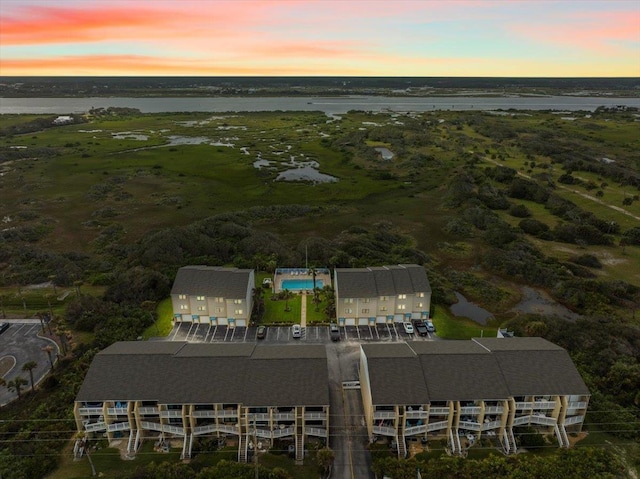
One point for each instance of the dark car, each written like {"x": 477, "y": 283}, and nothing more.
{"x": 3, "y": 327}
{"x": 420, "y": 328}
{"x": 334, "y": 332}
{"x": 262, "y": 332}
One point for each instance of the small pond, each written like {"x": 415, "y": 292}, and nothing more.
{"x": 386, "y": 153}
{"x": 538, "y": 302}
{"x": 470, "y": 310}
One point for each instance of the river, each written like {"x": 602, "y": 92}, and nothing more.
{"x": 330, "y": 106}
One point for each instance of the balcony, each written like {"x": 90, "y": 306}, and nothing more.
{"x": 95, "y": 426}
{"x": 384, "y": 415}
{"x": 413, "y": 430}
{"x": 435, "y": 426}
{"x": 118, "y": 426}
{"x": 204, "y": 413}
{"x": 171, "y": 413}
{"x": 154, "y": 426}
{"x": 519, "y": 421}
{"x": 474, "y": 410}
{"x": 90, "y": 411}
{"x": 228, "y": 429}
{"x": 199, "y": 430}
{"x": 261, "y": 432}
{"x": 493, "y": 410}
{"x": 384, "y": 431}
{"x": 316, "y": 431}
{"x": 524, "y": 405}
{"x": 543, "y": 420}
{"x": 472, "y": 426}
{"x": 416, "y": 414}
{"x": 573, "y": 420}
{"x": 544, "y": 405}
{"x": 287, "y": 431}
{"x": 117, "y": 411}
{"x": 284, "y": 416}
{"x": 148, "y": 410}
{"x": 228, "y": 413}
{"x": 439, "y": 411}
{"x": 577, "y": 405}
{"x": 487, "y": 426}
{"x": 315, "y": 415}
{"x": 258, "y": 416}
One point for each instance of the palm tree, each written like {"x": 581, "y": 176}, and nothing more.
{"x": 16, "y": 385}
{"x": 30, "y": 366}
{"x": 49, "y": 350}
{"x": 40, "y": 316}
{"x": 286, "y": 295}
{"x": 325, "y": 458}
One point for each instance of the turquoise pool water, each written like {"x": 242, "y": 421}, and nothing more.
{"x": 299, "y": 284}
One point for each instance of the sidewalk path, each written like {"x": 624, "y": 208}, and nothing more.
{"x": 303, "y": 310}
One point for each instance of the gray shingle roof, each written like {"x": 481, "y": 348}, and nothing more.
{"x": 381, "y": 281}
{"x": 212, "y": 281}
{"x": 484, "y": 368}
{"x": 208, "y": 373}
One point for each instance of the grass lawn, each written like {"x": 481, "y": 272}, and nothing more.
{"x": 162, "y": 326}
{"x": 314, "y": 316}
{"x": 309, "y": 470}
{"x": 455, "y": 327}
{"x": 274, "y": 311}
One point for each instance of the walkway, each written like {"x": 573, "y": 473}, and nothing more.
{"x": 303, "y": 310}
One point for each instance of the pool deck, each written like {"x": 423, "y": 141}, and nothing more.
{"x": 280, "y": 277}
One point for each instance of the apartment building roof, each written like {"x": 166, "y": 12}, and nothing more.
{"x": 467, "y": 370}
{"x": 208, "y": 373}
{"x": 381, "y": 281}
{"x": 212, "y": 281}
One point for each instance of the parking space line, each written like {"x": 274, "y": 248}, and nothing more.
{"x": 246, "y": 331}
{"x": 207, "y": 335}
{"x": 377, "y": 333}
{"x": 397, "y": 338}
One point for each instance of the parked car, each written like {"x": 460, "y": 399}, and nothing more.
{"x": 420, "y": 328}
{"x": 262, "y": 332}
{"x": 3, "y": 327}
{"x": 430, "y": 327}
{"x": 296, "y": 331}
{"x": 408, "y": 328}
{"x": 334, "y": 332}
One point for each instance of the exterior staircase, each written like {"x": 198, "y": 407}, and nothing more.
{"x": 402, "y": 446}
{"x": 242, "y": 448}
{"x": 299, "y": 448}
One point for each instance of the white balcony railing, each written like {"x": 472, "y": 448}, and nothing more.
{"x": 228, "y": 413}
{"x": 204, "y": 413}
{"x": 472, "y": 426}
{"x": 258, "y": 416}
{"x": 315, "y": 415}
{"x": 435, "y": 426}
{"x": 116, "y": 411}
{"x": 89, "y": 411}
{"x": 577, "y": 405}
{"x": 519, "y": 421}
{"x": 151, "y": 426}
{"x": 470, "y": 410}
{"x": 154, "y": 426}
{"x": 118, "y": 426}
{"x": 148, "y": 410}
{"x": 174, "y": 430}
{"x": 261, "y": 432}
{"x": 198, "y": 430}
{"x": 524, "y": 405}
{"x": 384, "y": 415}
{"x": 413, "y": 430}
{"x": 287, "y": 431}
{"x": 416, "y": 414}
{"x": 493, "y": 410}
{"x": 573, "y": 420}
{"x": 544, "y": 405}
{"x": 439, "y": 411}
{"x": 384, "y": 431}
{"x": 228, "y": 429}
{"x": 543, "y": 420}
{"x": 491, "y": 425}
{"x": 284, "y": 416}
{"x": 171, "y": 413}
{"x": 316, "y": 431}
{"x": 95, "y": 426}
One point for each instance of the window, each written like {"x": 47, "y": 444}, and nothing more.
{"x": 200, "y": 298}
{"x": 366, "y": 300}
{"x": 219, "y": 300}
{"x": 383, "y": 308}
{"x": 418, "y": 305}
{"x": 402, "y": 307}
{"x": 238, "y": 311}
{"x": 219, "y": 310}
{"x": 202, "y": 308}
{"x": 348, "y": 311}
{"x": 348, "y": 300}
{"x": 365, "y": 311}
{"x": 237, "y": 301}
{"x": 184, "y": 306}
{"x": 384, "y": 298}
{"x": 420, "y": 295}
{"x": 182, "y": 296}
{"x": 402, "y": 296}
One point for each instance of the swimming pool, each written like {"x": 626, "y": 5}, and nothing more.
{"x": 300, "y": 284}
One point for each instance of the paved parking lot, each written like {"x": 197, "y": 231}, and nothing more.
{"x": 22, "y": 343}
{"x": 281, "y": 334}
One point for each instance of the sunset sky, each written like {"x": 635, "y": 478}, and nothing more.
{"x": 325, "y": 37}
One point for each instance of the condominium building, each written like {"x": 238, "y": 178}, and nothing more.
{"x": 213, "y": 295}
{"x": 461, "y": 391}
{"x": 177, "y": 391}
{"x": 386, "y": 294}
